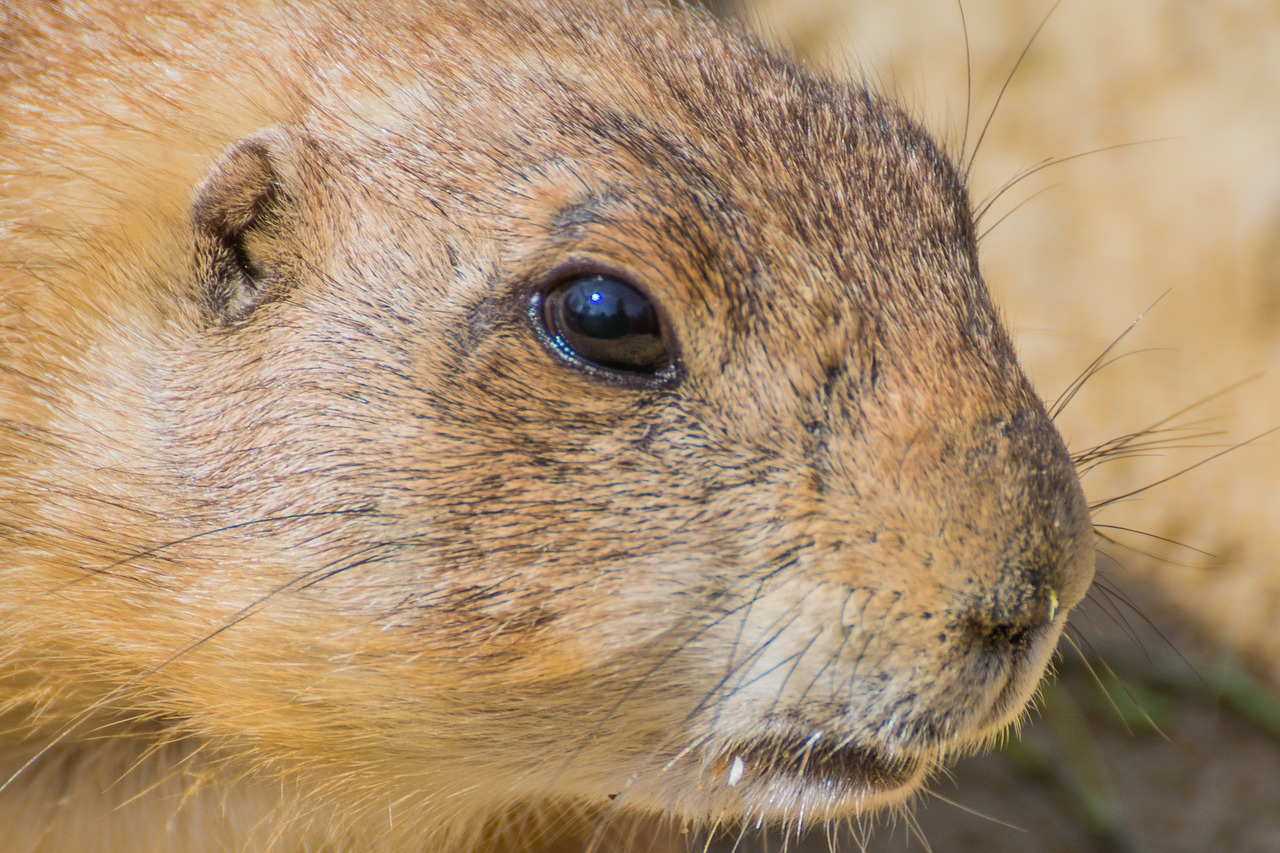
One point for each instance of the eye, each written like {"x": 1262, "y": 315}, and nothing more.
{"x": 607, "y": 323}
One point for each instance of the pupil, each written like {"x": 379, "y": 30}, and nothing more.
{"x": 606, "y": 309}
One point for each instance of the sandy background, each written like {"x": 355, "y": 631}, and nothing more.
{"x": 1182, "y": 753}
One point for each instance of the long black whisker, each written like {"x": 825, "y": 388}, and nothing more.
{"x": 1113, "y": 593}
{"x": 985, "y": 205}
{"x": 968, "y": 82}
{"x": 1070, "y": 391}
{"x": 1010, "y": 212}
{"x": 91, "y": 573}
{"x": 1137, "y": 532}
{"x": 977, "y": 146}
{"x": 1093, "y": 370}
{"x": 1100, "y": 505}
{"x": 1155, "y": 428}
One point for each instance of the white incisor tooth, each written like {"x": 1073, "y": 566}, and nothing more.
{"x": 736, "y": 770}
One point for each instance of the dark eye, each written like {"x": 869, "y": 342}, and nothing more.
{"x": 606, "y": 322}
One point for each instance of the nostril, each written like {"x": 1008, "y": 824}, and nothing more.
{"x": 1000, "y": 636}
{"x": 1012, "y": 625}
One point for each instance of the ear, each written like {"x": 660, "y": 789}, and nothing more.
{"x": 246, "y": 220}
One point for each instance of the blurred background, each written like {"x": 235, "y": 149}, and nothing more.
{"x": 1151, "y": 134}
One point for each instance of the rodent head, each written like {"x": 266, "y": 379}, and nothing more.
{"x": 817, "y": 534}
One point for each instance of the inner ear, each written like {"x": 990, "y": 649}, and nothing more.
{"x": 244, "y": 217}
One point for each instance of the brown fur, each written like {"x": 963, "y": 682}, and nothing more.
{"x": 310, "y": 541}
{"x": 1189, "y": 211}
{"x": 1185, "y": 214}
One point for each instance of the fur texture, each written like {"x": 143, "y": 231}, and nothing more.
{"x": 1183, "y": 217}
{"x": 313, "y": 537}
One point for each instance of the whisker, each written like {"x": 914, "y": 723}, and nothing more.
{"x": 1098, "y": 363}
{"x": 975, "y": 812}
{"x": 1114, "y": 594}
{"x": 1010, "y": 212}
{"x": 1108, "y": 606}
{"x": 1158, "y": 427}
{"x": 1097, "y": 680}
{"x": 986, "y": 204}
{"x": 968, "y": 81}
{"x": 92, "y": 573}
{"x": 1168, "y": 561}
{"x": 1103, "y": 504}
{"x": 1132, "y": 448}
{"x": 977, "y": 146}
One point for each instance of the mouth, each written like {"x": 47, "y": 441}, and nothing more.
{"x": 1026, "y": 673}
{"x": 788, "y": 775}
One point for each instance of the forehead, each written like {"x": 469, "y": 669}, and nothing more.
{"x": 674, "y": 94}
{"x": 738, "y": 175}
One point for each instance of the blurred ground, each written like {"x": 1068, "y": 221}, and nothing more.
{"x": 1188, "y": 220}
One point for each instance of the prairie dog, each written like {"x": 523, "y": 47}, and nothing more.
{"x": 417, "y": 420}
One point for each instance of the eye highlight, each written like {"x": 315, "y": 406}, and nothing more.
{"x": 606, "y": 323}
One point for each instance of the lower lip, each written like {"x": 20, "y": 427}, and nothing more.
{"x": 826, "y": 776}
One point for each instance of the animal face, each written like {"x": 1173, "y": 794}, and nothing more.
{"x": 550, "y": 419}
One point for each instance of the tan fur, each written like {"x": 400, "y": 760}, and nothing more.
{"x": 311, "y": 542}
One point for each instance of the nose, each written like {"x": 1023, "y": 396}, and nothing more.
{"x": 1042, "y": 570}
{"x": 1010, "y": 615}
{"x": 1038, "y": 521}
